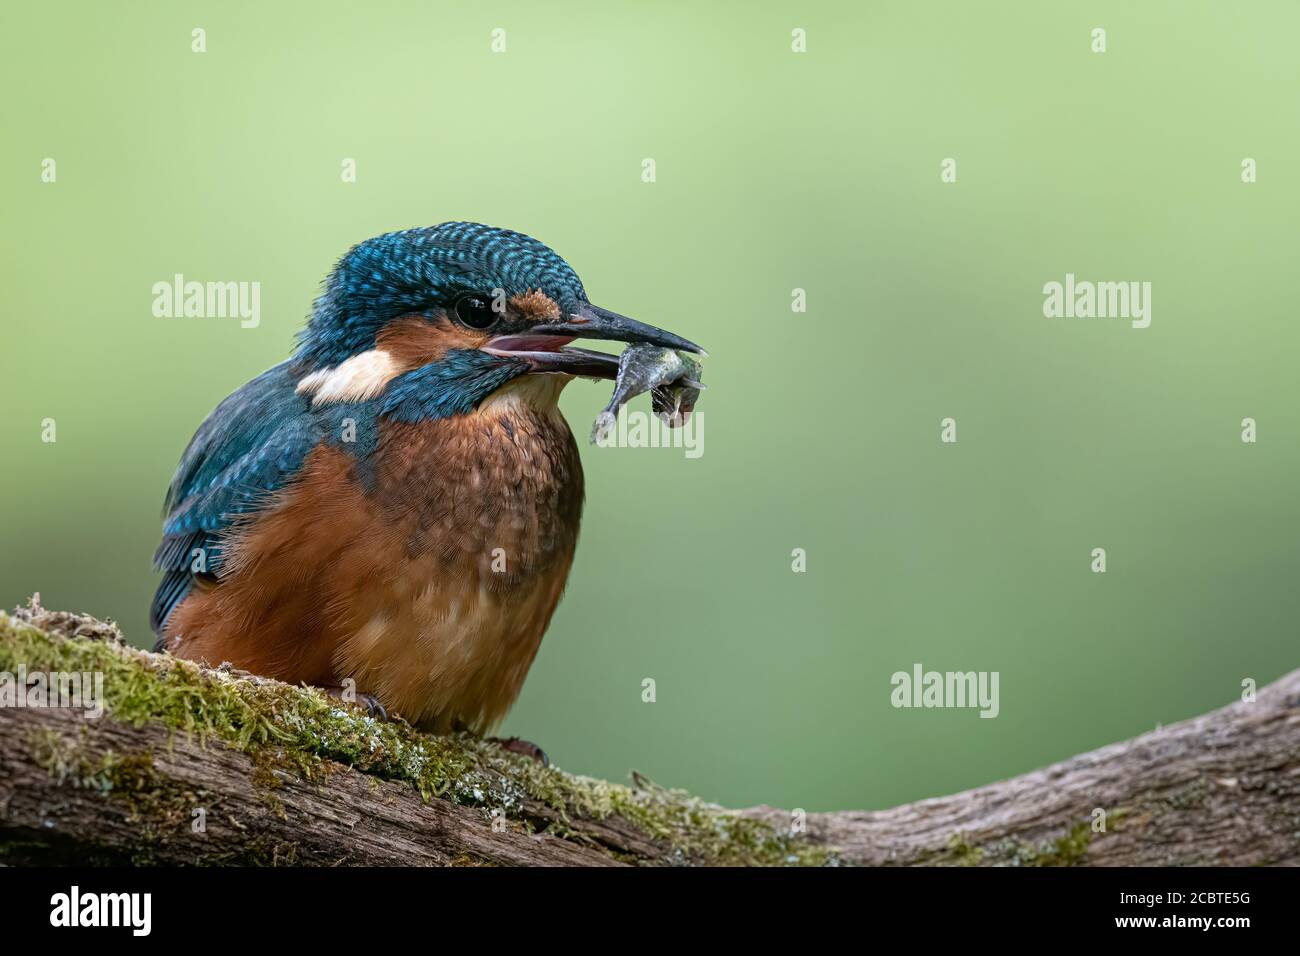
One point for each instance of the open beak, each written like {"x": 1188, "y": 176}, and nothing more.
{"x": 545, "y": 346}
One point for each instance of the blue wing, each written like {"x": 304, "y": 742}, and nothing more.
{"x": 246, "y": 450}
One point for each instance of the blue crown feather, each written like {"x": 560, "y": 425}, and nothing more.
{"x": 417, "y": 270}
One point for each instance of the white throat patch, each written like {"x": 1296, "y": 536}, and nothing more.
{"x": 360, "y": 378}
{"x": 538, "y": 392}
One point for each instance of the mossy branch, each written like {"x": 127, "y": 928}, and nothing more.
{"x": 199, "y": 766}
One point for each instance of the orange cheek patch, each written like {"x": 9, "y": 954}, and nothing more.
{"x": 536, "y": 306}
{"x": 414, "y": 341}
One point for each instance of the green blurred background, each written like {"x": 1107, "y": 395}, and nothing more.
{"x": 775, "y": 171}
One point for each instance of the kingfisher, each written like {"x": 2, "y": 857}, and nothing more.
{"x": 397, "y": 504}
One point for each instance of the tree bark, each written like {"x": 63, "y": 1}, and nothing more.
{"x": 1223, "y": 788}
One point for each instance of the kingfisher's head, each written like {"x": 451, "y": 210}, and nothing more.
{"x": 471, "y": 307}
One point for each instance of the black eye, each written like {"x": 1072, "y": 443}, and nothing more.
{"x": 476, "y": 312}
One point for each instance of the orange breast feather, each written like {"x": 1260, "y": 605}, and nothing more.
{"x": 430, "y": 587}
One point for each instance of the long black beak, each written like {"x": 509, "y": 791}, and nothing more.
{"x": 592, "y": 322}
{"x": 546, "y": 348}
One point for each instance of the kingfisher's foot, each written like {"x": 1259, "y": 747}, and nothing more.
{"x": 372, "y": 705}
{"x": 520, "y": 746}
{"x": 366, "y": 702}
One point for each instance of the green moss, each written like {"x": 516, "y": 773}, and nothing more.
{"x": 303, "y": 731}
{"x": 963, "y": 854}
{"x": 1065, "y": 850}
{"x": 1117, "y": 819}
{"x": 1069, "y": 849}
{"x": 68, "y": 762}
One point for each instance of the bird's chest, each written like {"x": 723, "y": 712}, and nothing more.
{"x": 477, "y": 519}
{"x": 499, "y": 490}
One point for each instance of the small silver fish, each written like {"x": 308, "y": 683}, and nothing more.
{"x": 673, "y": 379}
